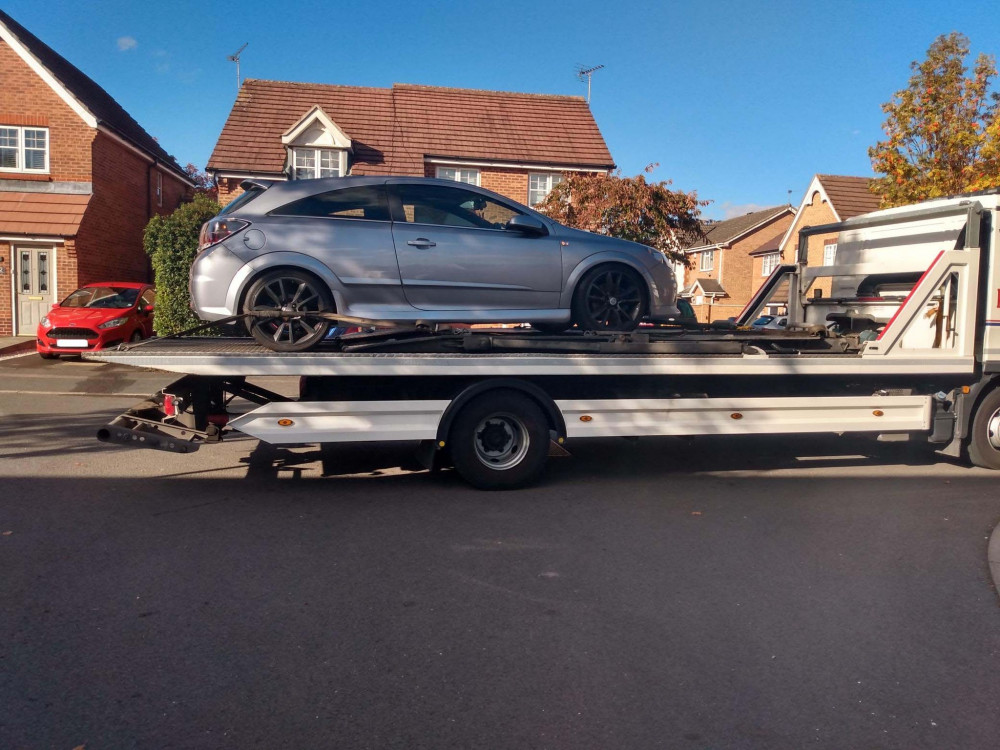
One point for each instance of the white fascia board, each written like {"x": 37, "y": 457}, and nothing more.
{"x": 25, "y": 238}
{"x": 512, "y": 165}
{"x": 814, "y": 185}
{"x": 222, "y": 175}
{"x": 703, "y": 248}
{"x": 42, "y": 72}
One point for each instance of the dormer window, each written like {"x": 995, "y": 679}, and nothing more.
{"x": 24, "y": 149}
{"x": 316, "y": 147}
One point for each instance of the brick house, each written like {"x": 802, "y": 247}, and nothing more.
{"x": 829, "y": 199}
{"x": 79, "y": 179}
{"x": 724, "y": 270}
{"x": 518, "y": 145}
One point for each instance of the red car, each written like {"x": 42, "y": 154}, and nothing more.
{"x": 97, "y": 316}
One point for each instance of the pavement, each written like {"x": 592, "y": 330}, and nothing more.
{"x": 706, "y": 594}
{"x": 16, "y": 345}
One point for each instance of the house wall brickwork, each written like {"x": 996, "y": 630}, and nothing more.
{"x": 815, "y": 212}
{"x": 736, "y": 270}
{"x": 108, "y": 243}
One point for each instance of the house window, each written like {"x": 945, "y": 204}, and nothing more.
{"x": 159, "y": 189}
{"x": 310, "y": 163}
{"x": 829, "y": 253}
{"x": 540, "y": 185}
{"x": 707, "y": 260}
{"x": 24, "y": 149}
{"x": 468, "y": 176}
{"x": 768, "y": 263}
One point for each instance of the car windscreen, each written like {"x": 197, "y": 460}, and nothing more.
{"x": 241, "y": 200}
{"x": 763, "y": 320}
{"x": 104, "y": 297}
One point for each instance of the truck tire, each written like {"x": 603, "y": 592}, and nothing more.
{"x": 499, "y": 441}
{"x": 984, "y": 440}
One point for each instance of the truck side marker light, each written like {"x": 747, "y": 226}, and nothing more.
{"x": 736, "y": 415}
{"x": 965, "y": 389}
{"x": 440, "y": 443}
{"x": 561, "y": 440}
{"x": 586, "y": 418}
{"x": 878, "y": 413}
{"x": 285, "y": 423}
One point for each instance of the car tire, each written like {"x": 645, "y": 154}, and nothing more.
{"x": 609, "y": 298}
{"x": 984, "y": 440}
{"x": 136, "y": 337}
{"x": 499, "y": 441}
{"x": 289, "y": 290}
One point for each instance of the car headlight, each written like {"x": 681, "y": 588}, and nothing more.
{"x": 114, "y": 323}
{"x": 659, "y": 256}
{"x": 45, "y": 323}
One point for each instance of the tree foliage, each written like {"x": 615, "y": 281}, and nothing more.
{"x": 203, "y": 182}
{"x": 627, "y": 207}
{"x": 172, "y": 244}
{"x": 942, "y": 131}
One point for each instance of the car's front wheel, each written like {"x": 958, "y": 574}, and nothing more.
{"x": 609, "y": 298}
{"x": 287, "y": 297}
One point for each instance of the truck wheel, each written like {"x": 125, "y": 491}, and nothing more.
{"x": 984, "y": 441}
{"x": 291, "y": 291}
{"x": 499, "y": 441}
{"x": 609, "y": 298}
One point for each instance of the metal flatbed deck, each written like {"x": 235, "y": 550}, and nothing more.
{"x": 503, "y": 354}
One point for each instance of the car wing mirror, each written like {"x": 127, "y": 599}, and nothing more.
{"x": 147, "y": 308}
{"x": 527, "y": 225}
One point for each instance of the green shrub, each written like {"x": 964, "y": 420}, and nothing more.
{"x": 172, "y": 244}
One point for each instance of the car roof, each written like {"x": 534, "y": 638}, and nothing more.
{"x": 126, "y": 284}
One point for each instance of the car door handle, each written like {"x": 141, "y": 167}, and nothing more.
{"x": 421, "y": 242}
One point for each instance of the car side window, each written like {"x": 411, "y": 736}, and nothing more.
{"x": 148, "y": 297}
{"x": 366, "y": 202}
{"x": 450, "y": 207}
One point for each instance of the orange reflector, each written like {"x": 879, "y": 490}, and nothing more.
{"x": 878, "y": 413}
{"x": 965, "y": 389}
{"x": 285, "y": 423}
{"x": 736, "y": 415}
{"x": 586, "y": 418}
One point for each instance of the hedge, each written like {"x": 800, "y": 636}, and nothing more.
{"x": 172, "y": 244}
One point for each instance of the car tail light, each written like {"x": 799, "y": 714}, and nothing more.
{"x": 216, "y": 230}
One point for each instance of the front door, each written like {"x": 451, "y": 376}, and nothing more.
{"x": 454, "y": 253}
{"x": 33, "y": 276}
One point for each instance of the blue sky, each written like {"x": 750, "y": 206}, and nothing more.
{"x": 740, "y": 101}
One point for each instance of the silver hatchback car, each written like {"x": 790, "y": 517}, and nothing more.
{"x": 405, "y": 249}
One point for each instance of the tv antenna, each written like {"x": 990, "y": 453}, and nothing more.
{"x": 581, "y": 71}
{"x": 235, "y": 57}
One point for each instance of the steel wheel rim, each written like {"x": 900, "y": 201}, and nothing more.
{"x": 296, "y": 297}
{"x": 501, "y": 441}
{"x": 613, "y": 299}
{"x": 993, "y": 430}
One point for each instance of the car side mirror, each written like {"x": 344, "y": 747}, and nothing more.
{"x": 147, "y": 309}
{"x": 527, "y": 225}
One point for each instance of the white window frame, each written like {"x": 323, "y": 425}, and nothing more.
{"x": 769, "y": 262}
{"x": 317, "y": 156}
{"x": 829, "y": 253}
{"x": 159, "y": 189}
{"x": 707, "y": 261}
{"x": 551, "y": 180}
{"x": 21, "y": 148}
{"x": 459, "y": 174}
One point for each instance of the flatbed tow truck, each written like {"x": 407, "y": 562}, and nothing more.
{"x": 906, "y": 342}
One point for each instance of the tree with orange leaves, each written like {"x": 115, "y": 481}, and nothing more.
{"x": 627, "y": 207}
{"x": 942, "y": 131}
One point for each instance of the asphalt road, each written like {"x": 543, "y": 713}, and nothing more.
{"x": 788, "y": 593}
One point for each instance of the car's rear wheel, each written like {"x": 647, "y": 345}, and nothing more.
{"x": 609, "y": 298}
{"x": 295, "y": 294}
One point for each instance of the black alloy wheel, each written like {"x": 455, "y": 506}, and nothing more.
{"x": 294, "y": 294}
{"x": 609, "y": 298}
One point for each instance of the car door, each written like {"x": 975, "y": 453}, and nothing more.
{"x": 148, "y": 299}
{"x": 454, "y": 253}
